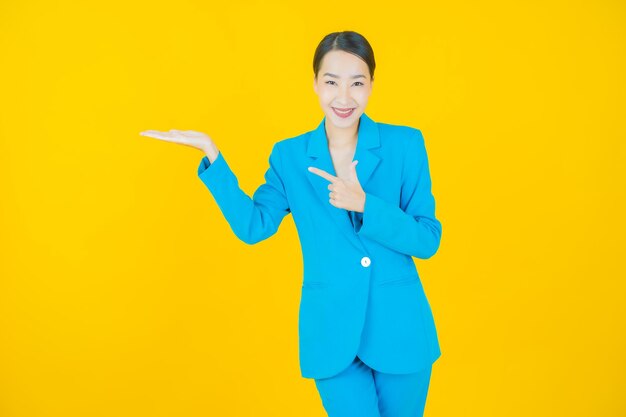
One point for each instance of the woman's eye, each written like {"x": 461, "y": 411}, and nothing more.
{"x": 358, "y": 82}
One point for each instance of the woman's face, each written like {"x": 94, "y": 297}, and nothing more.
{"x": 343, "y": 82}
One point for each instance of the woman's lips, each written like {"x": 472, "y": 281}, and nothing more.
{"x": 343, "y": 113}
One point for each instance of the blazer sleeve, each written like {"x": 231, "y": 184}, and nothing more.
{"x": 251, "y": 219}
{"x": 412, "y": 227}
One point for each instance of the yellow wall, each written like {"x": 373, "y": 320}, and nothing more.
{"x": 123, "y": 291}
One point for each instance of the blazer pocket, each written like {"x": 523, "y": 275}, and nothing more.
{"x": 406, "y": 279}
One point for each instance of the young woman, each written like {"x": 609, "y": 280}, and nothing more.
{"x": 360, "y": 195}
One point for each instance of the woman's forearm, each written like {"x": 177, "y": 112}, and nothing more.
{"x": 255, "y": 218}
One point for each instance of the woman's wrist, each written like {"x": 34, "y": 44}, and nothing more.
{"x": 211, "y": 153}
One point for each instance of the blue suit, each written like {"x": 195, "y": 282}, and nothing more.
{"x": 361, "y": 292}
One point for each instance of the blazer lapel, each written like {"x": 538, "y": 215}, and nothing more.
{"x": 319, "y": 154}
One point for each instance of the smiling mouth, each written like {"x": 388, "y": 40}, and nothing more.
{"x": 343, "y": 113}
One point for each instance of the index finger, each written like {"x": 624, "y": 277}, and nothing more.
{"x": 155, "y": 134}
{"x": 323, "y": 174}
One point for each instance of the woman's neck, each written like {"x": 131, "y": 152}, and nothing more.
{"x": 341, "y": 138}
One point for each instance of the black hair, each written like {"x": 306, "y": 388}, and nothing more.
{"x": 347, "y": 41}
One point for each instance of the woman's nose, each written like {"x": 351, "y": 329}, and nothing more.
{"x": 344, "y": 95}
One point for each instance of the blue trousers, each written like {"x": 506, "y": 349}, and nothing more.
{"x": 360, "y": 391}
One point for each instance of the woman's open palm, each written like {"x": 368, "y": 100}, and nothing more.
{"x": 191, "y": 138}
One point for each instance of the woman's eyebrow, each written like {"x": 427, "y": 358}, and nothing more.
{"x": 336, "y": 76}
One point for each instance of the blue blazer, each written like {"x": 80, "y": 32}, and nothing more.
{"x": 361, "y": 292}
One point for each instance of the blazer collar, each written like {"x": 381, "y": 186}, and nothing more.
{"x": 368, "y": 138}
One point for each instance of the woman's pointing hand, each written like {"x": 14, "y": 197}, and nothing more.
{"x": 345, "y": 194}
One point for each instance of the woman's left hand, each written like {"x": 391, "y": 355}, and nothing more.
{"x": 345, "y": 194}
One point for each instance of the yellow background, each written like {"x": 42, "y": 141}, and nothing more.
{"x": 124, "y": 292}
